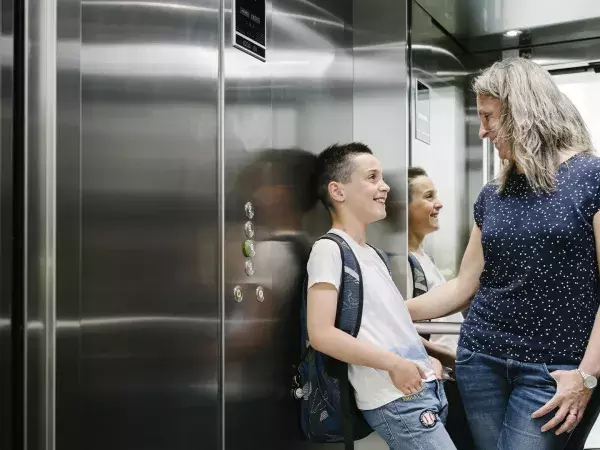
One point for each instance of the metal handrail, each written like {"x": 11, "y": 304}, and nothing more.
{"x": 438, "y": 327}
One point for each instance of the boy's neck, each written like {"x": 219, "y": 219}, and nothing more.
{"x": 354, "y": 229}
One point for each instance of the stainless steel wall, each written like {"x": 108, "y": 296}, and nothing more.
{"x": 381, "y": 112}
{"x": 148, "y": 134}
{"x": 147, "y": 324}
{"x": 277, "y": 115}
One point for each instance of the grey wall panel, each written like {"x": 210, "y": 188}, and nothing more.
{"x": 148, "y": 318}
{"x": 276, "y": 118}
{"x": 6, "y": 306}
{"x": 68, "y": 424}
{"x": 380, "y": 114}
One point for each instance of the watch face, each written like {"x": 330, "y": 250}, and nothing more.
{"x": 590, "y": 382}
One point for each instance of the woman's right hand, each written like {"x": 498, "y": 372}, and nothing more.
{"x": 407, "y": 376}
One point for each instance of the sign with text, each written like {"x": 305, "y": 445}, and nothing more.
{"x": 249, "y": 27}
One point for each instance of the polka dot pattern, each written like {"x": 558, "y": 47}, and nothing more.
{"x": 539, "y": 290}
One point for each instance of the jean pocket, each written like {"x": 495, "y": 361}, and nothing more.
{"x": 547, "y": 369}
{"x": 464, "y": 355}
{"x": 417, "y": 395}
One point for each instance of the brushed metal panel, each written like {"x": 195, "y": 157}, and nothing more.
{"x": 68, "y": 427}
{"x": 148, "y": 323}
{"x": 276, "y": 118}
{"x": 7, "y": 388}
{"x": 380, "y": 113}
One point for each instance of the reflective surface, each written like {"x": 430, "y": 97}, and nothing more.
{"x": 6, "y": 306}
{"x": 147, "y": 324}
{"x": 276, "y": 119}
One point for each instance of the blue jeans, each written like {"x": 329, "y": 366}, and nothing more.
{"x": 414, "y": 422}
{"x": 500, "y": 395}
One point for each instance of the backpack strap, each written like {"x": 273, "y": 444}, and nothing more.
{"x": 384, "y": 257}
{"x": 419, "y": 281}
{"x": 348, "y": 318}
{"x": 350, "y": 296}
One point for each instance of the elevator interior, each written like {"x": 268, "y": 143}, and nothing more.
{"x": 134, "y": 135}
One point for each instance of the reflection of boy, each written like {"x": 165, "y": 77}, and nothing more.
{"x": 395, "y": 382}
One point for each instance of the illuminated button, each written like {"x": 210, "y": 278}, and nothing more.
{"x": 238, "y": 295}
{"x": 249, "y": 229}
{"x": 248, "y": 249}
{"x": 249, "y": 208}
{"x": 260, "y": 294}
{"x": 249, "y": 267}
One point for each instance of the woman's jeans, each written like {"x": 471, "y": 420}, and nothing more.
{"x": 499, "y": 396}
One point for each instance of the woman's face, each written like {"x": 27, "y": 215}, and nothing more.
{"x": 488, "y": 109}
{"x": 424, "y": 207}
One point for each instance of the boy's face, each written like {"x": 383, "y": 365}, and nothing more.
{"x": 365, "y": 194}
{"x": 424, "y": 207}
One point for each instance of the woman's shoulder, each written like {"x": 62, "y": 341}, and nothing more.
{"x": 586, "y": 165}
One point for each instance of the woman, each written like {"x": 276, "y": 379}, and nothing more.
{"x": 529, "y": 350}
{"x": 423, "y": 211}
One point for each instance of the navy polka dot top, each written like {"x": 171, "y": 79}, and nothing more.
{"x": 538, "y": 293}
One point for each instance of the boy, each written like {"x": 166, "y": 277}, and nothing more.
{"x": 396, "y": 384}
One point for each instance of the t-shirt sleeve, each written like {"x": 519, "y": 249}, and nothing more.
{"x": 325, "y": 264}
{"x": 595, "y": 181}
{"x": 479, "y": 208}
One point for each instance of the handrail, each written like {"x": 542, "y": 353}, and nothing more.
{"x": 438, "y": 327}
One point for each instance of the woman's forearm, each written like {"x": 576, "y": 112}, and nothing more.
{"x": 450, "y": 297}
{"x": 591, "y": 360}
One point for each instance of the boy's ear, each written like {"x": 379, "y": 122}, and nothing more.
{"x": 336, "y": 192}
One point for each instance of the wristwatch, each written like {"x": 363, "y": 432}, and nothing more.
{"x": 589, "y": 381}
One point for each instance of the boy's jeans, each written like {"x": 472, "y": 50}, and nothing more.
{"x": 414, "y": 422}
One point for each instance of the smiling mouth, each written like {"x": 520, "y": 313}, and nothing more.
{"x": 434, "y": 216}
{"x": 380, "y": 200}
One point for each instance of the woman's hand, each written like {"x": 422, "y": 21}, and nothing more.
{"x": 571, "y": 399}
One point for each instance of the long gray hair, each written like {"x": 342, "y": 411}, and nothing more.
{"x": 536, "y": 118}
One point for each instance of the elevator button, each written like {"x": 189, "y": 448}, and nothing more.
{"x": 249, "y": 267}
{"x": 248, "y": 249}
{"x": 249, "y": 229}
{"x": 238, "y": 295}
{"x": 260, "y": 294}
{"x": 249, "y": 208}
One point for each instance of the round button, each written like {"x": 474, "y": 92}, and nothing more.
{"x": 260, "y": 294}
{"x": 249, "y": 265}
{"x": 249, "y": 229}
{"x": 238, "y": 294}
{"x": 248, "y": 249}
{"x": 249, "y": 208}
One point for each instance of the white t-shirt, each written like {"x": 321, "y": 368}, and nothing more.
{"x": 434, "y": 279}
{"x": 385, "y": 322}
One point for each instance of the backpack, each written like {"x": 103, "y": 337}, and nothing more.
{"x": 419, "y": 281}
{"x": 327, "y": 404}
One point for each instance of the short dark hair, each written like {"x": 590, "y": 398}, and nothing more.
{"x": 334, "y": 164}
{"x": 414, "y": 172}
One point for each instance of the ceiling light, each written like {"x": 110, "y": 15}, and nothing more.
{"x": 513, "y": 33}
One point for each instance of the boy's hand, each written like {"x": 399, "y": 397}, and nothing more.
{"x": 407, "y": 376}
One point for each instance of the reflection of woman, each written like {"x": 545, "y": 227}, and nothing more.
{"x": 423, "y": 210}
{"x": 524, "y": 365}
